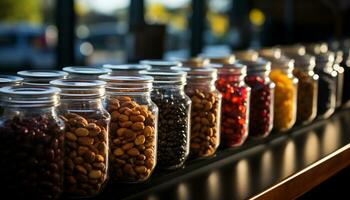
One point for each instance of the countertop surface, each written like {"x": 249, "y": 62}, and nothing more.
{"x": 259, "y": 169}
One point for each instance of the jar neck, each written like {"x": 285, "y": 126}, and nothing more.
{"x": 208, "y": 84}
{"x": 10, "y": 112}
{"x": 72, "y": 104}
{"x": 235, "y": 78}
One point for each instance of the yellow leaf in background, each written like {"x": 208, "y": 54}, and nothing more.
{"x": 257, "y": 17}
{"x": 218, "y": 23}
{"x": 178, "y": 21}
{"x": 157, "y": 13}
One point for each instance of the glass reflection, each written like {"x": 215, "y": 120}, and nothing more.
{"x": 242, "y": 179}
{"x": 330, "y": 138}
{"x": 183, "y": 192}
{"x": 266, "y": 168}
{"x": 289, "y": 159}
{"x": 311, "y": 149}
{"x": 213, "y": 185}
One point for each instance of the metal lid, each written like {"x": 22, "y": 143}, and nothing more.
{"x": 26, "y": 96}
{"x": 270, "y": 52}
{"x": 248, "y": 55}
{"x": 327, "y": 57}
{"x": 127, "y": 83}
{"x": 317, "y": 48}
{"x": 160, "y": 64}
{"x": 296, "y": 49}
{"x": 259, "y": 65}
{"x": 236, "y": 68}
{"x": 195, "y": 62}
{"x": 127, "y": 67}
{"x": 76, "y": 89}
{"x": 54, "y": 74}
{"x": 6, "y": 80}
{"x": 166, "y": 76}
{"x": 86, "y": 70}
{"x": 221, "y": 59}
{"x": 198, "y": 72}
{"x": 305, "y": 61}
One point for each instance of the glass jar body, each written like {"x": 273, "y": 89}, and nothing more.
{"x": 32, "y": 152}
{"x": 86, "y": 146}
{"x": 205, "y": 117}
{"x": 326, "y": 98}
{"x": 235, "y": 109}
{"x": 174, "y": 125}
{"x": 307, "y": 95}
{"x": 285, "y": 100}
{"x": 133, "y": 136}
{"x": 340, "y": 84}
{"x": 261, "y": 104}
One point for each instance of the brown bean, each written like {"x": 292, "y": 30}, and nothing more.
{"x": 133, "y": 152}
{"x": 85, "y": 141}
{"x": 140, "y": 140}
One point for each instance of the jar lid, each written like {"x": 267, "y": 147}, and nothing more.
{"x": 281, "y": 62}
{"x": 305, "y": 61}
{"x": 270, "y": 52}
{"x": 86, "y": 70}
{"x": 195, "y": 62}
{"x": 27, "y": 96}
{"x": 76, "y": 89}
{"x": 127, "y": 83}
{"x": 236, "y": 68}
{"x": 166, "y": 76}
{"x": 126, "y": 67}
{"x": 160, "y": 64}
{"x": 327, "y": 57}
{"x": 198, "y": 72}
{"x": 259, "y": 65}
{"x": 317, "y": 48}
{"x": 296, "y": 49}
{"x": 6, "y": 80}
{"x": 248, "y": 55}
{"x": 41, "y": 77}
{"x": 221, "y": 59}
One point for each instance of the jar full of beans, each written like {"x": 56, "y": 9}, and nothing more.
{"x": 133, "y": 132}
{"x": 174, "y": 117}
{"x": 205, "y": 112}
{"x": 85, "y": 73}
{"x": 235, "y": 103}
{"x": 127, "y": 69}
{"x": 161, "y": 64}
{"x": 7, "y": 80}
{"x": 41, "y": 77}
{"x": 286, "y": 88}
{"x": 32, "y": 139}
{"x": 326, "y": 100}
{"x": 307, "y": 87}
{"x": 261, "y": 97}
{"x": 86, "y": 136}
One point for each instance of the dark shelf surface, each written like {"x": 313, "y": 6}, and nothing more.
{"x": 283, "y": 165}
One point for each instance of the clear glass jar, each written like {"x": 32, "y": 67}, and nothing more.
{"x": 7, "y": 80}
{"x": 174, "y": 117}
{"x": 31, "y": 149}
{"x": 247, "y": 55}
{"x": 126, "y": 70}
{"x": 86, "y": 136}
{"x": 160, "y": 64}
{"x": 285, "y": 103}
{"x": 220, "y": 59}
{"x": 235, "y": 104}
{"x": 340, "y": 77}
{"x": 261, "y": 97}
{"x": 41, "y": 77}
{"x": 326, "y": 100}
{"x": 307, "y": 87}
{"x": 85, "y": 73}
{"x": 205, "y": 112}
{"x": 133, "y": 132}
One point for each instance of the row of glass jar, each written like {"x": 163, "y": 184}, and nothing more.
{"x": 131, "y": 121}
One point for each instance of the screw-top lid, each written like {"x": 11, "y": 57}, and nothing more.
{"x": 259, "y": 65}
{"x": 248, "y": 55}
{"x": 27, "y": 96}
{"x": 305, "y": 61}
{"x": 270, "y": 52}
{"x": 41, "y": 77}
{"x": 198, "y": 72}
{"x": 160, "y": 64}
{"x": 81, "y": 70}
{"x": 296, "y": 49}
{"x": 167, "y": 77}
{"x": 221, "y": 59}
{"x": 236, "y": 68}
{"x": 80, "y": 89}
{"x": 117, "y": 84}
{"x": 8, "y": 80}
{"x": 194, "y": 62}
{"x": 317, "y": 48}
{"x": 127, "y": 68}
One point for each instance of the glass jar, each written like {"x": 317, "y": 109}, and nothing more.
{"x": 85, "y": 73}
{"x": 86, "y": 134}
{"x": 296, "y": 49}
{"x": 174, "y": 117}
{"x": 346, "y": 86}
{"x": 205, "y": 112}
{"x": 219, "y": 59}
{"x": 261, "y": 97}
{"x": 160, "y": 64}
{"x": 31, "y": 149}
{"x": 126, "y": 70}
{"x": 7, "y": 80}
{"x": 285, "y": 102}
{"x": 340, "y": 77}
{"x": 307, "y": 87}
{"x": 235, "y": 104}
{"x": 133, "y": 131}
{"x": 326, "y": 100}
{"x": 247, "y": 55}
{"x": 194, "y": 62}
{"x": 41, "y": 77}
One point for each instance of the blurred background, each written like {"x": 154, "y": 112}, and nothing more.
{"x": 50, "y": 34}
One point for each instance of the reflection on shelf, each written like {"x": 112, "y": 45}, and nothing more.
{"x": 213, "y": 183}
{"x": 242, "y": 178}
{"x": 311, "y": 148}
{"x": 266, "y": 167}
{"x": 330, "y": 138}
{"x": 289, "y": 159}
{"x": 183, "y": 191}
